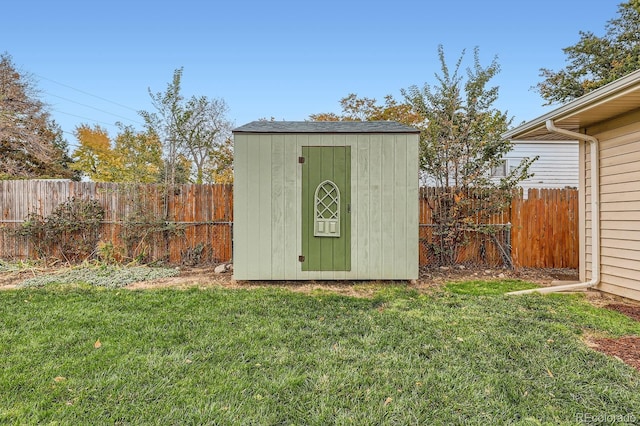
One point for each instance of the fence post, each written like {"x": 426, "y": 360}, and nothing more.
{"x": 507, "y": 238}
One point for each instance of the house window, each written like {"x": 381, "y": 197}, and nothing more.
{"x": 500, "y": 170}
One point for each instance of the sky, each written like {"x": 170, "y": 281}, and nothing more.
{"x": 96, "y": 61}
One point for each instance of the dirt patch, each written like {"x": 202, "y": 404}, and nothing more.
{"x": 207, "y": 278}
{"x": 626, "y": 349}
{"x": 541, "y": 276}
{"x": 429, "y": 279}
{"x": 203, "y": 277}
{"x": 10, "y": 279}
{"x": 188, "y": 277}
{"x": 630, "y": 310}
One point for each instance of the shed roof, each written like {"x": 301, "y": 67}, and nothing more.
{"x": 609, "y": 101}
{"x": 325, "y": 127}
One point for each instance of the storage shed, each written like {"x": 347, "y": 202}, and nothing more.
{"x": 607, "y": 122}
{"x": 325, "y": 200}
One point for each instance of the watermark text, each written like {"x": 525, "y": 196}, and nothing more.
{"x": 590, "y": 418}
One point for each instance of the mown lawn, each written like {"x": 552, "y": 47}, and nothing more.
{"x": 269, "y": 356}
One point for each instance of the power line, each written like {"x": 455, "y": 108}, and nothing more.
{"x": 92, "y": 107}
{"x": 84, "y": 118}
{"x": 86, "y": 93}
{"x": 75, "y": 145}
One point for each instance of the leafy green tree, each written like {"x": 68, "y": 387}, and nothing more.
{"x": 595, "y": 61}
{"x": 31, "y": 143}
{"x": 181, "y": 171}
{"x": 195, "y": 128}
{"x": 460, "y": 143}
{"x": 164, "y": 122}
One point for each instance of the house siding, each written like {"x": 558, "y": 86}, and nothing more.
{"x": 556, "y": 167}
{"x": 267, "y": 199}
{"x": 619, "y": 208}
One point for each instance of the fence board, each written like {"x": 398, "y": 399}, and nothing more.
{"x": 543, "y": 231}
{"x": 204, "y": 212}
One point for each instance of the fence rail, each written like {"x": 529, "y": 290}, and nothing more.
{"x": 203, "y": 213}
{"x": 540, "y": 230}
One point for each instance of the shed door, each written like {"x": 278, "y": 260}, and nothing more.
{"x": 326, "y": 208}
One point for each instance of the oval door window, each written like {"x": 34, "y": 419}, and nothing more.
{"x": 327, "y": 210}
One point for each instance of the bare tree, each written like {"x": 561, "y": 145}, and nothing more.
{"x": 203, "y": 130}
{"x": 196, "y": 129}
{"x": 164, "y": 121}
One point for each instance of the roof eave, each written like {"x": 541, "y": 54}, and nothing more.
{"x": 276, "y": 132}
{"x": 337, "y": 127}
{"x": 627, "y": 84}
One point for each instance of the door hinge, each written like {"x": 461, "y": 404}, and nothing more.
{"x": 300, "y": 160}
{"x": 300, "y": 258}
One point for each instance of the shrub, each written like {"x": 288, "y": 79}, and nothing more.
{"x": 69, "y": 233}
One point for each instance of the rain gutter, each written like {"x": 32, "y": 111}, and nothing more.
{"x": 595, "y": 215}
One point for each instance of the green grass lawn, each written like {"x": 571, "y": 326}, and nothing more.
{"x": 269, "y": 356}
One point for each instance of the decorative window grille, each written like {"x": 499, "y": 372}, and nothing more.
{"x": 327, "y": 210}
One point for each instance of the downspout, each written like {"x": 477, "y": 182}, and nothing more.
{"x": 595, "y": 215}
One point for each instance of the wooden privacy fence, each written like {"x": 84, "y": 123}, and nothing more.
{"x": 181, "y": 224}
{"x": 539, "y": 231}
{"x": 481, "y": 248}
{"x": 544, "y": 229}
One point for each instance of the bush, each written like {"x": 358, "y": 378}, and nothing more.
{"x": 69, "y": 233}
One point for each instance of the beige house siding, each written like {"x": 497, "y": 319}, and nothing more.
{"x": 611, "y": 114}
{"x": 268, "y": 212}
{"x": 619, "y": 206}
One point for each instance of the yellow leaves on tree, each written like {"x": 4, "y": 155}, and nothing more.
{"x": 94, "y": 157}
{"x": 134, "y": 157}
{"x": 140, "y": 156}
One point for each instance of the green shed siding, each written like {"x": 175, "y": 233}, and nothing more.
{"x": 268, "y": 205}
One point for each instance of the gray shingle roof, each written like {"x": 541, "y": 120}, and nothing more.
{"x": 325, "y": 127}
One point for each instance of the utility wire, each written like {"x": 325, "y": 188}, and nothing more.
{"x": 86, "y": 93}
{"x": 92, "y": 107}
{"x": 84, "y": 118}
